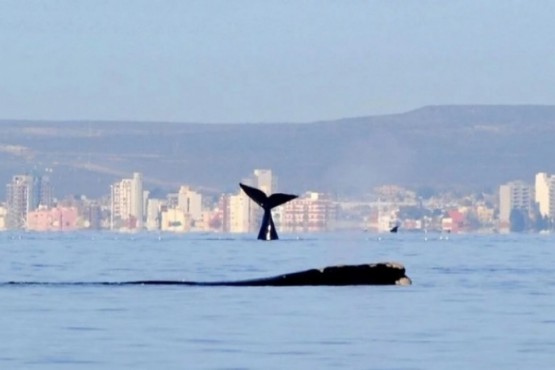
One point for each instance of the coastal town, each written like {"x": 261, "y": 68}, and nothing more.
{"x": 129, "y": 206}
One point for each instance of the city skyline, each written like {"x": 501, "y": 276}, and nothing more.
{"x": 520, "y": 206}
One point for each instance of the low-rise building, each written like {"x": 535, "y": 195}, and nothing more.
{"x": 174, "y": 220}
{"x": 53, "y": 219}
{"x": 313, "y": 212}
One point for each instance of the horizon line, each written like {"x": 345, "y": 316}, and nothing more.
{"x": 254, "y": 122}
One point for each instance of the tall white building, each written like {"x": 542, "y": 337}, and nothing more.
{"x": 190, "y": 202}
{"x": 137, "y": 201}
{"x": 127, "y": 203}
{"x": 240, "y": 213}
{"x": 18, "y": 201}
{"x": 153, "y": 214}
{"x": 514, "y": 195}
{"x": 545, "y": 194}
{"x": 3, "y": 214}
{"x": 265, "y": 181}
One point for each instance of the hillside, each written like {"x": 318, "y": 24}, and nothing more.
{"x": 470, "y": 147}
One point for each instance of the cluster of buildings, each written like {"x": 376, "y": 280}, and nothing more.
{"x": 391, "y": 206}
{"x": 25, "y": 195}
{"x": 129, "y": 207}
{"x": 528, "y": 206}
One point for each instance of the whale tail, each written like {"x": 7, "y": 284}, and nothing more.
{"x": 267, "y": 228}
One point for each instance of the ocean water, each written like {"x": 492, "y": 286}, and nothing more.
{"x": 477, "y": 302}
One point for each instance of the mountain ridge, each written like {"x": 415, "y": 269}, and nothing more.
{"x": 465, "y": 146}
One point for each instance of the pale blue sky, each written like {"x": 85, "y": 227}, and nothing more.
{"x": 269, "y": 61}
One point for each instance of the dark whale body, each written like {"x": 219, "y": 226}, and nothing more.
{"x": 368, "y": 274}
{"x": 388, "y": 273}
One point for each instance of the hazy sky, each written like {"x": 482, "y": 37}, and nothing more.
{"x": 269, "y": 61}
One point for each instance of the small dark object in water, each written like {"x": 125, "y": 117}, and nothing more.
{"x": 394, "y": 229}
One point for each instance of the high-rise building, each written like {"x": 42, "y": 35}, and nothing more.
{"x": 514, "y": 195}
{"x": 190, "y": 202}
{"x": 137, "y": 201}
{"x": 265, "y": 181}
{"x": 153, "y": 214}
{"x": 3, "y": 214}
{"x": 545, "y": 194}
{"x": 24, "y": 194}
{"x": 120, "y": 207}
{"x": 239, "y": 213}
{"x": 18, "y": 201}
{"x": 92, "y": 215}
{"x": 127, "y": 203}
{"x": 42, "y": 192}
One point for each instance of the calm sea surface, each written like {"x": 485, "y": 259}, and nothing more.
{"x": 477, "y": 302}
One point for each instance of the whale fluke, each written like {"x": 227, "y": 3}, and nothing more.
{"x": 385, "y": 273}
{"x": 267, "y": 228}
